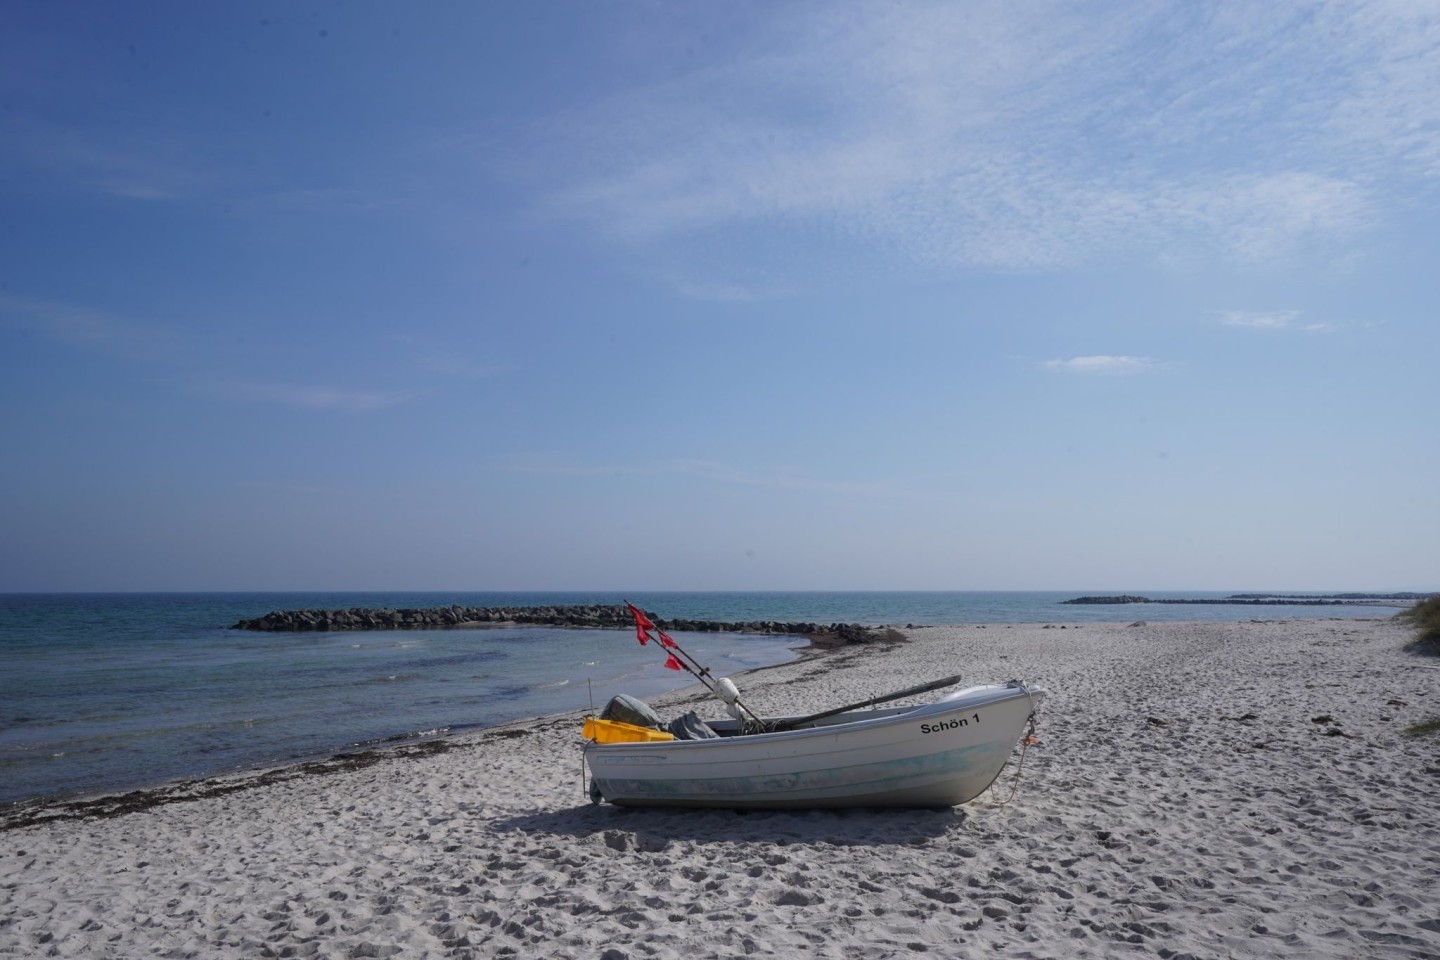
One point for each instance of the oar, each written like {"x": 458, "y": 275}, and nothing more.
{"x": 923, "y": 688}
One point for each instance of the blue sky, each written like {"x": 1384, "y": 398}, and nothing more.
{"x": 749, "y": 296}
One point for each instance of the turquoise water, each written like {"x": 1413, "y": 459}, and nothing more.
{"x": 106, "y": 692}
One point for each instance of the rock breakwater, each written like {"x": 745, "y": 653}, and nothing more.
{"x": 593, "y": 616}
{"x": 1263, "y": 600}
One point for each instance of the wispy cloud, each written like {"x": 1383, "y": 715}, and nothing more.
{"x": 706, "y": 470}
{"x": 91, "y": 329}
{"x": 99, "y": 331}
{"x": 120, "y": 162}
{"x": 1274, "y": 320}
{"x": 434, "y": 356}
{"x": 302, "y": 396}
{"x": 1102, "y": 364}
{"x": 719, "y": 292}
{"x": 154, "y": 164}
{"x": 1022, "y": 134}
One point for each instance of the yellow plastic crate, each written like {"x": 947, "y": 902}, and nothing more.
{"x": 613, "y": 731}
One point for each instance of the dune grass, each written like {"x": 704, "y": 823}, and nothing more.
{"x": 1425, "y": 618}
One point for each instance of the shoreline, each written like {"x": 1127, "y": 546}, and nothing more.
{"x": 102, "y": 804}
{"x": 105, "y": 804}
{"x": 1202, "y": 788}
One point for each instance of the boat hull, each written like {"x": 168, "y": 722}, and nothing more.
{"x": 936, "y": 755}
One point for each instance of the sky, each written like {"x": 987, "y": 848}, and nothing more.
{"x": 724, "y": 296}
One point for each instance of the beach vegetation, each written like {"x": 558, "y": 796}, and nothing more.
{"x": 1423, "y": 728}
{"x": 1425, "y": 618}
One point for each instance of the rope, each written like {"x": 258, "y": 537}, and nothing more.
{"x": 1025, "y": 744}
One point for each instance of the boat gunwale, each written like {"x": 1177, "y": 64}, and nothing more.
{"x": 1003, "y": 693}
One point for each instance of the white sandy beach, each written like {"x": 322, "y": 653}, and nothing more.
{"x": 1200, "y": 790}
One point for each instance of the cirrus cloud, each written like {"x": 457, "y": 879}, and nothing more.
{"x": 303, "y": 396}
{"x": 1274, "y": 320}
{"x": 1102, "y": 363}
{"x": 1022, "y": 135}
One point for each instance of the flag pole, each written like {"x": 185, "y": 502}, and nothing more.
{"x": 643, "y": 626}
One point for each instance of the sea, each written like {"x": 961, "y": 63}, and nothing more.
{"x": 108, "y": 692}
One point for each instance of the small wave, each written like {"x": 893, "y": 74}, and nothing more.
{"x": 403, "y": 737}
{"x": 552, "y": 686}
{"x": 456, "y": 659}
{"x": 389, "y": 678}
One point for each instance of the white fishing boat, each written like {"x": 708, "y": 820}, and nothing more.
{"x": 937, "y": 754}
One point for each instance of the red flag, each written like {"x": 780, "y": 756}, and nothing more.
{"x": 665, "y": 640}
{"x": 643, "y": 626}
{"x": 672, "y": 664}
{"x": 640, "y": 619}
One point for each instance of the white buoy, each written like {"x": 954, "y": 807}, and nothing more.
{"x": 726, "y": 691}
{"x": 741, "y": 713}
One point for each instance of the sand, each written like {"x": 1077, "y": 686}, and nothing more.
{"x": 1200, "y": 790}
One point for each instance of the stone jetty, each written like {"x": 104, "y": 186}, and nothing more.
{"x": 1262, "y": 600}
{"x": 594, "y": 616}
